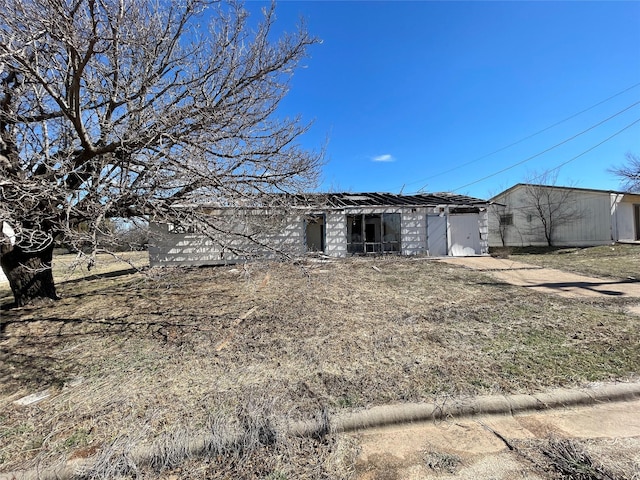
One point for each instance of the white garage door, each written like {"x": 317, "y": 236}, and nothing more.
{"x": 464, "y": 234}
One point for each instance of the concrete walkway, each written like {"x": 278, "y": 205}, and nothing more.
{"x": 548, "y": 280}
{"x": 501, "y": 446}
{"x": 480, "y": 447}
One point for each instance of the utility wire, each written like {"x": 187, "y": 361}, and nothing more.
{"x": 557, "y": 145}
{"x": 595, "y": 146}
{"x": 527, "y": 137}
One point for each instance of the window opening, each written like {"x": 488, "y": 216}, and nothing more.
{"x": 373, "y": 233}
{"x": 391, "y": 232}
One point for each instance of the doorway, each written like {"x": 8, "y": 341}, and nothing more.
{"x": 314, "y": 233}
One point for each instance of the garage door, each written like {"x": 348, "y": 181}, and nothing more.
{"x": 464, "y": 234}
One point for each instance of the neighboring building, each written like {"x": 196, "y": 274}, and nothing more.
{"x": 337, "y": 224}
{"x": 522, "y": 214}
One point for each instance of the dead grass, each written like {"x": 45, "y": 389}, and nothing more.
{"x": 138, "y": 357}
{"x": 581, "y": 459}
{"x": 618, "y": 261}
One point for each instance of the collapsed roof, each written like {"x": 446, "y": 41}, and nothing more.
{"x": 340, "y": 200}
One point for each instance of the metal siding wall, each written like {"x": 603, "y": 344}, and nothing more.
{"x": 625, "y": 221}
{"x": 593, "y": 223}
{"x": 593, "y": 226}
{"x": 521, "y": 233}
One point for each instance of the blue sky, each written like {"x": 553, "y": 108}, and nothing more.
{"x": 412, "y": 96}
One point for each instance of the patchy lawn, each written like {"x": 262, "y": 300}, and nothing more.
{"x": 134, "y": 357}
{"x": 620, "y": 261}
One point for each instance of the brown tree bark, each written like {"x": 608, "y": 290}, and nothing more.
{"x": 29, "y": 274}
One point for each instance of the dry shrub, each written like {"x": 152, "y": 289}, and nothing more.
{"x": 442, "y": 462}
{"x": 580, "y": 459}
{"x": 571, "y": 461}
{"x": 252, "y": 443}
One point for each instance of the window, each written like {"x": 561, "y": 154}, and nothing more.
{"x": 373, "y": 233}
{"x": 506, "y": 219}
{"x": 391, "y": 232}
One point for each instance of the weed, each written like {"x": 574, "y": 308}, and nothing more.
{"x": 347, "y": 401}
{"x": 442, "y": 462}
{"x": 79, "y": 438}
{"x": 571, "y": 461}
{"x": 277, "y": 475}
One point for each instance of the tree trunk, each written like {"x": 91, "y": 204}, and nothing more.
{"x": 29, "y": 273}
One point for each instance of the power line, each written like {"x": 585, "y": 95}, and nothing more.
{"x": 527, "y": 137}
{"x": 557, "y": 145}
{"x": 595, "y": 146}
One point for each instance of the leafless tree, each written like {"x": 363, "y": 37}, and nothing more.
{"x": 137, "y": 108}
{"x": 501, "y": 216}
{"x": 629, "y": 173}
{"x": 502, "y": 220}
{"x": 550, "y": 206}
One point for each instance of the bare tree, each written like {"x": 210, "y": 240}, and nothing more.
{"x": 550, "y": 206}
{"x": 629, "y": 173}
{"x": 502, "y": 221}
{"x": 134, "y": 108}
{"x": 501, "y": 216}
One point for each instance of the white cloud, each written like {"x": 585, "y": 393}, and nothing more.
{"x": 384, "y": 158}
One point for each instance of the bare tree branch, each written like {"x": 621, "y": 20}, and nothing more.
{"x": 120, "y": 108}
{"x": 549, "y": 206}
{"x": 629, "y": 174}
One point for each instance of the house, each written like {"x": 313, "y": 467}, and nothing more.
{"x": 335, "y": 224}
{"x": 536, "y": 215}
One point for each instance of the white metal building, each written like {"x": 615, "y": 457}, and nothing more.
{"x": 338, "y": 225}
{"x": 583, "y": 217}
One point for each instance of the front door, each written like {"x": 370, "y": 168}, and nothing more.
{"x": 437, "y": 235}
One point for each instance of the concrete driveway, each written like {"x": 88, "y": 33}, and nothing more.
{"x": 548, "y": 280}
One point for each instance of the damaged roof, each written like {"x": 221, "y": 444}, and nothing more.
{"x": 344, "y": 200}
{"x": 339, "y": 200}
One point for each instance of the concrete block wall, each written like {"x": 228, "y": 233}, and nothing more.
{"x": 336, "y": 234}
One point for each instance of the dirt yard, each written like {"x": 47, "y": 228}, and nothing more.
{"x": 126, "y": 359}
